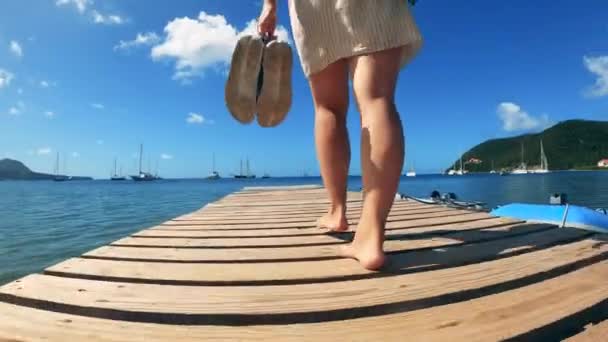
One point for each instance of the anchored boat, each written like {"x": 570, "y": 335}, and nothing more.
{"x": 116, "y": 176}
{"x": 143, "y": 176}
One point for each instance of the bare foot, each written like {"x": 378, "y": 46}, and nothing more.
{"x": 336, "y": 222}
{"x": 368, "y": 253}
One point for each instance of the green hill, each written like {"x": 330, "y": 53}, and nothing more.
{"x": 15, "y": 170}
{"x": 573, "y": 144}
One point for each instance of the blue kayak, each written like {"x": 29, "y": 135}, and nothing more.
{"x": 561, "y": 215}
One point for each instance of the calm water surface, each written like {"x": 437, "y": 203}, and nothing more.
{"x": 42, "y": 223}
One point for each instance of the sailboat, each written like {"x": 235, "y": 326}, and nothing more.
{"x": 522, "y": 169}
{"x": 116, "y": 176}
{"x": 156, "y": 176}
{"x": 142, "y": 176}
{"x": 452, "y": 171}
{"x": 411, "y": 172}
{"x": 462, "y": 170}
{"x": 214, "y": 174}
{"x": 492, "y": 170}
{"x": 58, "y": 177}
{"x": 242, "y": 175}
{"x": 544, "y": 164}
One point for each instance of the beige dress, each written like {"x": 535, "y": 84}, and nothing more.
{"x": 328, "y": 30}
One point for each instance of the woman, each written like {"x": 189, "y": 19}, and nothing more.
{"x": 370, "y": 41}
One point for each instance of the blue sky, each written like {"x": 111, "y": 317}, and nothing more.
{"x": 93, "y": 79}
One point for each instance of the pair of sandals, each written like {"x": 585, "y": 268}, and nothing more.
{"x": 259, "y": 81}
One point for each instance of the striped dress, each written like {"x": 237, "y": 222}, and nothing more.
{"x": 328, "y": 30}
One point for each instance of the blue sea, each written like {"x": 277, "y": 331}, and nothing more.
{"x": 42, "y": 223}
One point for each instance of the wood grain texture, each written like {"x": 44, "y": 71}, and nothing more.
{"x": 405, "y": 241}
{"x": 254, "y": 266}
{"x": 366, "y": 297}
{"x": 308, "y": 271}
{"x": 488, "y": 318}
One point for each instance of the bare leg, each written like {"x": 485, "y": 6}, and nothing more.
{"x": 382, "y": 150}
{"x": 330, "y": 93}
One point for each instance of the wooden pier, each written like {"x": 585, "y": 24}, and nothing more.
{"x": 253, "y": 266}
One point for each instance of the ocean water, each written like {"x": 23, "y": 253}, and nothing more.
{"x": 42, "y": 223}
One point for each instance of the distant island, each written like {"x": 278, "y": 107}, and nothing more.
{"x": 569, "y": 145}
{"x": 15, "y": 170}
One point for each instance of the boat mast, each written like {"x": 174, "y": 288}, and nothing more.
{"x": 213, "y": 162}
{"x": 57, "y": 165}
{"x": 65, "y": 165}
{"x": 241, "y": 168}
{"x": 115, "y": 167}
{"x": 522, "y": 155}
{"x": 247, "y": 167}
{"x": 543, "y": 158}
{"x": 141, "y": 152}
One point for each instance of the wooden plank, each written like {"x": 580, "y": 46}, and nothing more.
{"x": 286, "y": 196}
{"x": 298, "y": 213}
{"x": 406, "y": 240}
{"x": 310, "y": 214}
{"x": 368, "y": 297}
{"x": 432, "y": 229}
{"x": 266, "y": 273}
{"x": 462, "y": 217}
{"x": 278, "y": 203}
{"x": 308, "y": 187}
{"x": 278, "y": 223}
{"x": 167, "y": 241}
{"x": 489, "y": 318}
{"x": 212, "y": 210}
{"x": 593, "y": 333}
{"x": 202, "y": 218}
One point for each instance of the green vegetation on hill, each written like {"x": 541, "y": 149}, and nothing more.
{"x": 16, "y": 170}
{"x": 13, "y": 169}
{"x": 573, "y": 144}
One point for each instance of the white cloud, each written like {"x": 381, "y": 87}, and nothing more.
{"x": 44, "y": 151}
{"x": 75, "y": 155}
{"x": 142, "y": 39}
{"x": 203, "y": 42}
{"x": 599, "y": 67}
{"x": 166, "y": 156}
{"x": 16, "y": 48}
{"x": 97, "y": 105}
{"x": 106, "y": 19}
{"x": 16, "y": 110}
{"x": 96, "y": 17}
{"x": 194, "y": 118}
{"x": 515, "y": 119}
{"x": 49, "y": 114}
{"x": 5, "y": 78}
{"x": 99, "y": 142}
{"x": 45, "y": 84}
{"x": 81, "y": 5}
{"x": 20, "y": 91}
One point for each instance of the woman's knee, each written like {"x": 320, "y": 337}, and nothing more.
{"x": 330, "y": 89}
{"x": 375, "y": 104}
